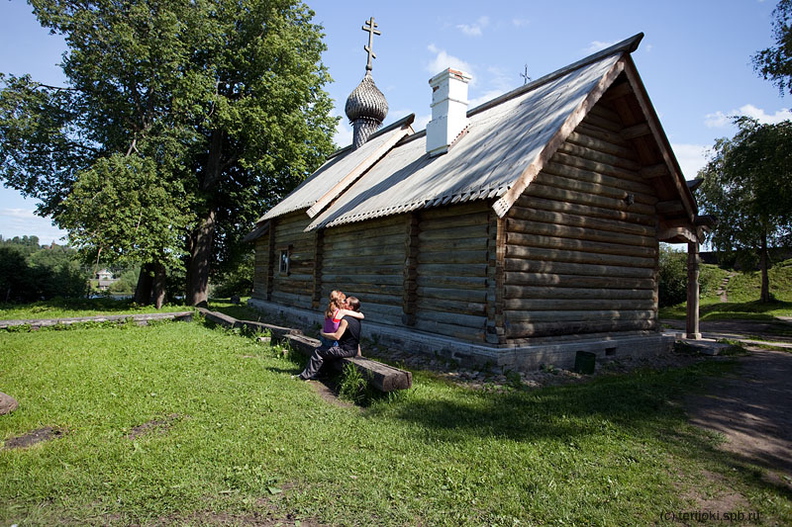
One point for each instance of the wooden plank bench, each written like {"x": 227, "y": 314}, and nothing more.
{"x": 381, "y": 376}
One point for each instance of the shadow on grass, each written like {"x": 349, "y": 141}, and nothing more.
{"x": 641, "y": 401}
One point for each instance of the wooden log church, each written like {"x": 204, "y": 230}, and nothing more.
{"x": 516, "y": 233}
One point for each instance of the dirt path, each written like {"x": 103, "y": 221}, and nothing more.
{"x": 752, "y": 408}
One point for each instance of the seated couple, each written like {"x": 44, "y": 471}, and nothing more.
{"x": 340, "y": 334}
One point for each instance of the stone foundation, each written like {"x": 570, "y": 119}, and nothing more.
{"x": 560, "y": 352}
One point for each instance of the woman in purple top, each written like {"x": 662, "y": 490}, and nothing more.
{"x": 346, "y": 342}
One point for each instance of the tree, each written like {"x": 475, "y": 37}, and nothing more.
{"x": 672, "y": 278}
{"x": 748, "y": 186}
{"x": 123, "y": 206}
{"x": 29, "y": 272}
{"x": 219, "y": 103}
{"x": 775, "y": 63}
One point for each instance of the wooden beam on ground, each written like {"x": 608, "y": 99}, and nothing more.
{"x": 140, "y": 318}
{"x": 381, "y": 376}
{"x": 277, "y": 332}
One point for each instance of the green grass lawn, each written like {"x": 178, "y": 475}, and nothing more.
{"x": 176, "y": 423}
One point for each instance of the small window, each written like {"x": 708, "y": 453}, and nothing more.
{"x": 283, "y": 265}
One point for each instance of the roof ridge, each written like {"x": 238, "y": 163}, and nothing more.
{"x": 408, "y": 119}
{"x": 627, "y": 45}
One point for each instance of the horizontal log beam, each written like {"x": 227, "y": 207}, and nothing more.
{"x": 600, "y": 149}
{"x": 638, "y": 130}
{"x": 626, "y": 217}
{"x": 553, "y": 192}
{"x": 518, "y": 317}
{"x": 577, "y": 256}
{"x": 635, "y": 184}
{"x": 574, "y": 220}
{"x": 546, "y": 329}
{"x": 582, "y": 233}
{"x": 612, "y": 272}
{"x": 654, "y": 171}
{"x": 570, "y": 244}
{"x": 580, "y": 304}
{"x": 550, "y": 285}
{"x": 381, "y": 376}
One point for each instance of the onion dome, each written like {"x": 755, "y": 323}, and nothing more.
{"x": 366, "y": 102}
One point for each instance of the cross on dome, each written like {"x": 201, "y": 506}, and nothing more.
{"x": 371, "y": 28}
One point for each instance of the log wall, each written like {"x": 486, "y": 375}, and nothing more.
{"x": 296, "y": 287}
{"x": 575, "y": 255}
{"x": 366, "y": 260}
{"x": 262, "y": 272}
{"x": 453, "y": 277}
{"x": 581, "y": 243}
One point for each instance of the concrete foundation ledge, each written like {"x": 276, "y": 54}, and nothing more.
{"x": 525, "y": 357}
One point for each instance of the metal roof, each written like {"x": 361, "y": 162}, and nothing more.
{"x": 336, "y": 169}
{"x": 500, "y": 143}
{"x": 507, "y": 138}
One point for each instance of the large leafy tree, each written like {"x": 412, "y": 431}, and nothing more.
{"x": 748, "y": 186}
{"x": 218, "y": 103}
{"x": 775, "y": 62}
{"x": 122, "y": 205}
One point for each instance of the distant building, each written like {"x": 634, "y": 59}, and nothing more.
{"x": 105, "y": 279}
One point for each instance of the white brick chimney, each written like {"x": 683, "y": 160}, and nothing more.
{"x": 449, "y": 110}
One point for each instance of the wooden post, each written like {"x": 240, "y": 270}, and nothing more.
{"x": 692, "y": 325}
{"x": 273, "y": 257}
{"x": 316, "y": 298}
{"x": 411, "y": 249}
{"x": 495, "y": 331}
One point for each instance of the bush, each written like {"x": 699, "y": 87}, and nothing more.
{"x": 49, "y": 272}
{"x": 672, "y": 286}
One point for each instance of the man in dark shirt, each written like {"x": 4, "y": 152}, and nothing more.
{"x": 348, "y": 342}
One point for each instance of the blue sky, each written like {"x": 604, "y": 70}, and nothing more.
{"x": 695, "y": 61}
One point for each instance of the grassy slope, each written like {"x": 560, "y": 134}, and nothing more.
{"x": 231, "y": 438}
{"x": 742, "y": 295}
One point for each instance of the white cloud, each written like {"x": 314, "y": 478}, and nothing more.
{"x": 691, "y": 158}
{"x": 23, "y": 222}
{"x": 443, "y": 60}
{"x": 520, "y": 22}
{"x": 724, "y": 119}
{"x": 475, "y": 29}
{"x": 717, "y": 120}
{"x": 757, "y": 113}
{"x": 597, "y": 45}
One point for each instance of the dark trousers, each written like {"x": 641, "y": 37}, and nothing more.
{"x": 318, "y": 357}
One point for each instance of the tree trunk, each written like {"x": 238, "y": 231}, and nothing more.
{"x": 201, "y": 243}
{"x": 159, "y": 285}
{"x": 202, "y": 240}
{"x": 144, "y": 285}
{"x": 764, "y": 264}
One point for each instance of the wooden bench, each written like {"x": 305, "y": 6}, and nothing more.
{"x": 381, "y": 376}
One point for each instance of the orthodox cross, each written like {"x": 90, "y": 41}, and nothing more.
{"x": 526, "y": 78}
{"x": 371, "y": 28}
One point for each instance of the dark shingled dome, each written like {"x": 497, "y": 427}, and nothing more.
{"x": 366, "y": 102}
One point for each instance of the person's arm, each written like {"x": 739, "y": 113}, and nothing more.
{"x": 360, "y": 353}
{"x": 343, "y": 312}
{"x": 338, "y": 333}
